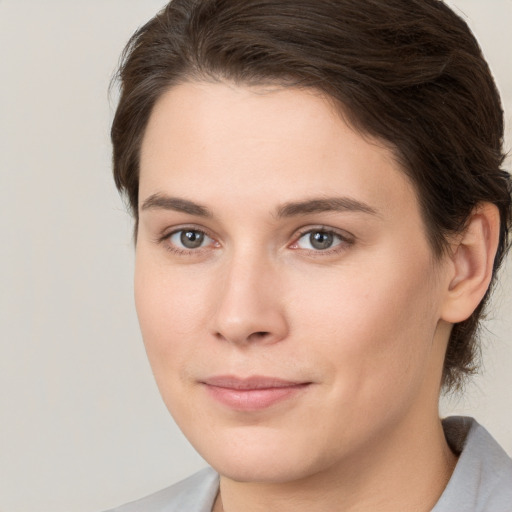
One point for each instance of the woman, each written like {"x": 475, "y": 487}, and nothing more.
{"x": 320, "y": 213}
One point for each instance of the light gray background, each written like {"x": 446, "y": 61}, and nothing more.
{"x": 82, "y": 427}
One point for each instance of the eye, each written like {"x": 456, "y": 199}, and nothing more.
{"x": 189, "y": 239}
{"x": 319, "y": 240}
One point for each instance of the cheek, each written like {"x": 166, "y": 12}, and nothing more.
{"x": 374, "y": 324}
{"x": 169, "y": 311}
{"x": 170, "y": 316}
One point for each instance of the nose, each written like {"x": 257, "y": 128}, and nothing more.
{"x": 249, "y": 303}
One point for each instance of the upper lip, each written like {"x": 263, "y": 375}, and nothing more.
{"x": 253, "y": 382}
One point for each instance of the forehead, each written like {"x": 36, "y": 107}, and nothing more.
{"x": 265, "y": 144}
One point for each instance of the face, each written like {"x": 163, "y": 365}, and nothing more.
{"x": 287, "y": 295}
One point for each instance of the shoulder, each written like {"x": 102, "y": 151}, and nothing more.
{"x": 482, "y": 479}
{"x": 194, "y": 494}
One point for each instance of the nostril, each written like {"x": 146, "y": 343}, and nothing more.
{"x": 253, "y": 337}
{"x": 260, "y": 334}
{"x": 257, "y": 334}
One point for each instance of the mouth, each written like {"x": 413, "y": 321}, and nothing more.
{"x": 252, "y": 393}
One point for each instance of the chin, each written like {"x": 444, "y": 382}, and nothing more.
{"x": 262, "y": 469}
{"x": 267, "y": 456}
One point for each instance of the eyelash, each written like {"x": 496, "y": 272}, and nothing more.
{"x": 345, "y": 240}
{"x": 165, "y": 241}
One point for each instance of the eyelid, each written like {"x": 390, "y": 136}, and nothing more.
{"x": 164, "y": 239}
{"x": 346, "y": 238}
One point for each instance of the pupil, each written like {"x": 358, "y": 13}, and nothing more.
{"x": 320, "y": 240}
{"x": 191, "y": 239}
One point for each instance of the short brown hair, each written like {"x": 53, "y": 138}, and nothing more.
{"x": 409, "y": 72}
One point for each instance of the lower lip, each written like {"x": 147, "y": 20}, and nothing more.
{"x": 254, "y": 399}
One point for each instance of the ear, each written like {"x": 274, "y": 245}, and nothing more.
{"x": 471, "y": 263}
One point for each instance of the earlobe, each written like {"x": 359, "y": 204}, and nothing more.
{"x": 472, "y": 260}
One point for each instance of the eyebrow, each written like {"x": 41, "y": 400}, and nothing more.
{"x": 291, "y": 209}
{"x": 329, "y": 204}
{"x": 164, "y": 202}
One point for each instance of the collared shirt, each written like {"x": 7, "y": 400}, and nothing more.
{"x": 481, "y": 481}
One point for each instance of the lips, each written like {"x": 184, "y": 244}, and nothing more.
{"x": 252, "y": 393}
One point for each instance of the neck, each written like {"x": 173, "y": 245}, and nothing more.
{"x": 406, "y": 472}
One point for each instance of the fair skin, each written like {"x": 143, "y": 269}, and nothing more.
{"x": 280, "y": 249}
